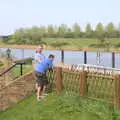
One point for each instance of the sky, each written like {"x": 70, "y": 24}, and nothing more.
{"x": 15, "y": 14}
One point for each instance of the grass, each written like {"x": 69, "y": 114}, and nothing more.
{"x": 27, "y": 68}
{"x": 78, "y": 43}
{"x": 70, "y": 42}
{"x": 62, "y": 107}
{"x": 1, "y": 64}
{"x": 16, "y": 71}
{"x": 73, "y": 43}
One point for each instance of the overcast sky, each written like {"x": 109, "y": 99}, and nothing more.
{"x": 26, "y": 13}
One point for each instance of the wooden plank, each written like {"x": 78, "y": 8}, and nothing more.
{"x": 83, "y": 83}
{"x": 117, "y": 91}
{"x": 58, "y": 80}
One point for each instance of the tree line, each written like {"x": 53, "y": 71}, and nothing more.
{"x": 35, "y": 34}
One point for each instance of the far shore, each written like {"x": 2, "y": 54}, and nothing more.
{"x": 33, "y": 47}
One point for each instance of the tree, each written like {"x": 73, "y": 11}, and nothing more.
{"x": 76, "y": 30}
{"x": 99, "y": 29}
{"x": 100, "y": 33}
{"x": 43, "y": 31}
{"x": 69, "y": 33}
{"x": 50, "y": 31}
{"x": 110, "y": 29}
{"x": 19, "y": 35}
{"x": 62, "y": 29}
{"x": 88, "y": 30}
{"x": 36, "y": 36}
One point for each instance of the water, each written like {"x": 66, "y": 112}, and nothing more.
{"x": 70, "y": 57}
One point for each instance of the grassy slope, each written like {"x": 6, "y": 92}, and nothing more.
{"x": 57, "y": 107}
{"x": 79, "y": 43}
{"x": 48, "y": 109}
{"x": 26, "y": 68}
{"x": 69, "y": 43}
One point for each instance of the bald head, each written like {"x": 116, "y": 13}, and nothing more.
{"x": 39, "y": 49}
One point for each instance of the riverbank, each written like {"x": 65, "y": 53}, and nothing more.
{"x": 71, "y": 44}
{"x": 33, "y": 47}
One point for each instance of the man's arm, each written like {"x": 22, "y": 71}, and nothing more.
{"x": 38, "y": 58}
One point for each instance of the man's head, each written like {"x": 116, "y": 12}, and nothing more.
{"x": 39, "y": 49}
{"x": 51, "y": 57}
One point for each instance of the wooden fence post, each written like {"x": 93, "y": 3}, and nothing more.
{"x": 58, "y": 79}
{"x": 117, "y": 91}
{"x": 83, "y": 83}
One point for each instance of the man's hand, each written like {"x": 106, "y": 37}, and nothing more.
{"x": 39, "y": 60}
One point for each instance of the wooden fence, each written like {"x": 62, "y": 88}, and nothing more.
{"x": 85, "y": 83}
{"x": 90, "y": 84}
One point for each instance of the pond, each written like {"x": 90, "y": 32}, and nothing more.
{"x": 70, "y": 57}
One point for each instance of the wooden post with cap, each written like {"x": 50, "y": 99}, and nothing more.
{"x": 58, "y": 79}
{"x": 83, "y": 83}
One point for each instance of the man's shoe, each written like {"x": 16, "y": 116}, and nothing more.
{"x": 45, "y": 94}
{"x": 42, "y": 96}
{"x": 39, "y": 98}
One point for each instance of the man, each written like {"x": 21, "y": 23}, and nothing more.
{"x": 41, "y": 69}
{"x": 38, "y": 58}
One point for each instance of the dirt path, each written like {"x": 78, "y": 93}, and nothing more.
{"x": 32, "y": 47}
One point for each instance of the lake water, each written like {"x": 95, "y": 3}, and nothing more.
{"x": 70, "y": 57}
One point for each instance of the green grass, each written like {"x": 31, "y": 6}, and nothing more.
{"x": 76, "y": 43}
{"x": 1, "y": 63}
{"x": 59, "y": 107}
{"x": 69, "y": 42}
{"x": 27, "y": 68}
{"x": 16, "y": 71}
{"x": 53, "y": 107}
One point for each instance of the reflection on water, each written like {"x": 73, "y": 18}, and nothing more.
{"x": 70, "y": 57}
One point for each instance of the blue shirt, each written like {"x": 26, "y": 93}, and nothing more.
{"x": 37, "y": 57}
{"x": 44, "y": 66}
